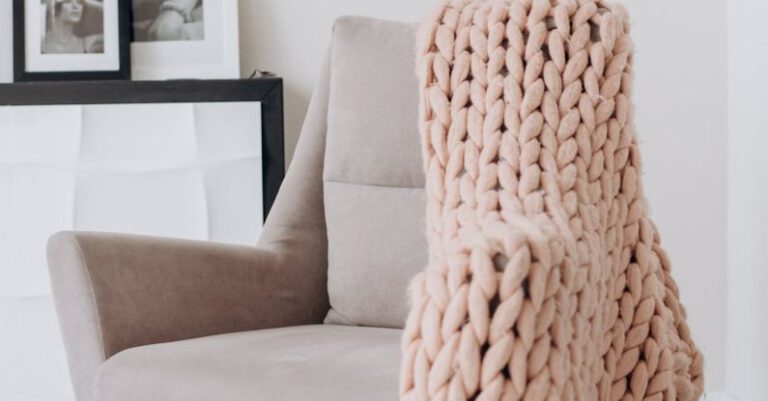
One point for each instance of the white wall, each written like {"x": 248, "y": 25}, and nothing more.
{"x": 748, "y": 200}
{"x": 6, "y": 42}
{"x": 681, "y": 115}
{"x": 681, "y": 90}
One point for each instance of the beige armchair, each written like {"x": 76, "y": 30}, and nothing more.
{"x": 314, "y": 311}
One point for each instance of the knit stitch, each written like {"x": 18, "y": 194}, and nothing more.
{"x": 546, "y": 279}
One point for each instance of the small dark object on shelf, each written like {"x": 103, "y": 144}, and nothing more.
{"x": 260, "y": 74}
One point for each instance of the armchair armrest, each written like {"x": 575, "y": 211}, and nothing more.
{"x": 114, "y": 292}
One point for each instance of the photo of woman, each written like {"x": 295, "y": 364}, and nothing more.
{"x": 185, "y": 39}
{"x": 72, "y": 26}
{"x": 168, "y": 20}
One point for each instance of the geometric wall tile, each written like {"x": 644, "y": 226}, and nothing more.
{"x": 225, "y": 130}
{"x": 41, "y": 200}
{"x": 138, "y": 137}
{"x": 7, "y": 235}
{"x": 234, "y": 193}
{"x": 7, "y": 154}
{"x": 178, "y": 170}
{"x": 49, "y": 137}
{"x": 32, "y": 359}
{"x": 163, "y": 203}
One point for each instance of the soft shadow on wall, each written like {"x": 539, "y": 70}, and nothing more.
{"x": 290, "y": 38}
{"x": 262, "y": 49}
{"x": 682, "y": 127}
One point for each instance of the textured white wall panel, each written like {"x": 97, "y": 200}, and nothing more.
{"x": 230, "y": 187}
{"x": 166, "y": 203}
{"x": 180, "y": 170}
{"x": 41, "y": 202}
{"x": 224, "y": 130}
{"x": 138, "y": 137}
{"x": 52, "y": 136}
{"x": 32, "y": 359}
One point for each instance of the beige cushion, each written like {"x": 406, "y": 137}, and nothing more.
{"x": 374, "y": 196}
{"x": 319, "y": 363}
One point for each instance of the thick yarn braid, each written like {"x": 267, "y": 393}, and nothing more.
{"x": 546, "y": 278}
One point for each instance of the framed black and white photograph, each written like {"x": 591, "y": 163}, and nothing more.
{"x": 185, "y": 39}
{"x": 71, "y": 39}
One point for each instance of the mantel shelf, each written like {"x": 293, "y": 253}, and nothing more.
{"x": 112, "y": 92}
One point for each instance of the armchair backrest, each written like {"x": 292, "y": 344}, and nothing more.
{"x": 351, "y": 210}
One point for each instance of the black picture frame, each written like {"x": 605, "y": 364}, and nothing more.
{"x": 268, "y": 91}
{"x": 20, "y": 73}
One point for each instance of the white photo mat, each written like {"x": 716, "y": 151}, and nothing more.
{"x": 35, "y": 29}
{"x": 215, "y": 57}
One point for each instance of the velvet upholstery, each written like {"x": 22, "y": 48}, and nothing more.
{"x": 126, "y": 303}
{"x": 318, "y": 363}
{"x": 116, "y": 292}
{"x": 113, "y": 292}
{"x": 374, "y": 183}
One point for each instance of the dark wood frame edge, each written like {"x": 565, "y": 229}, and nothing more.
{"x": 20, "y": 73}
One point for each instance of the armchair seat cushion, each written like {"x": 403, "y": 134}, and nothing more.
{"x": 322, "y": 362}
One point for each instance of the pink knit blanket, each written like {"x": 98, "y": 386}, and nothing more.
{"x": 547, "y": 280}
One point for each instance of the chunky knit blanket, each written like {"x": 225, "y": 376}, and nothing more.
{"x": 546, "y": 280}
